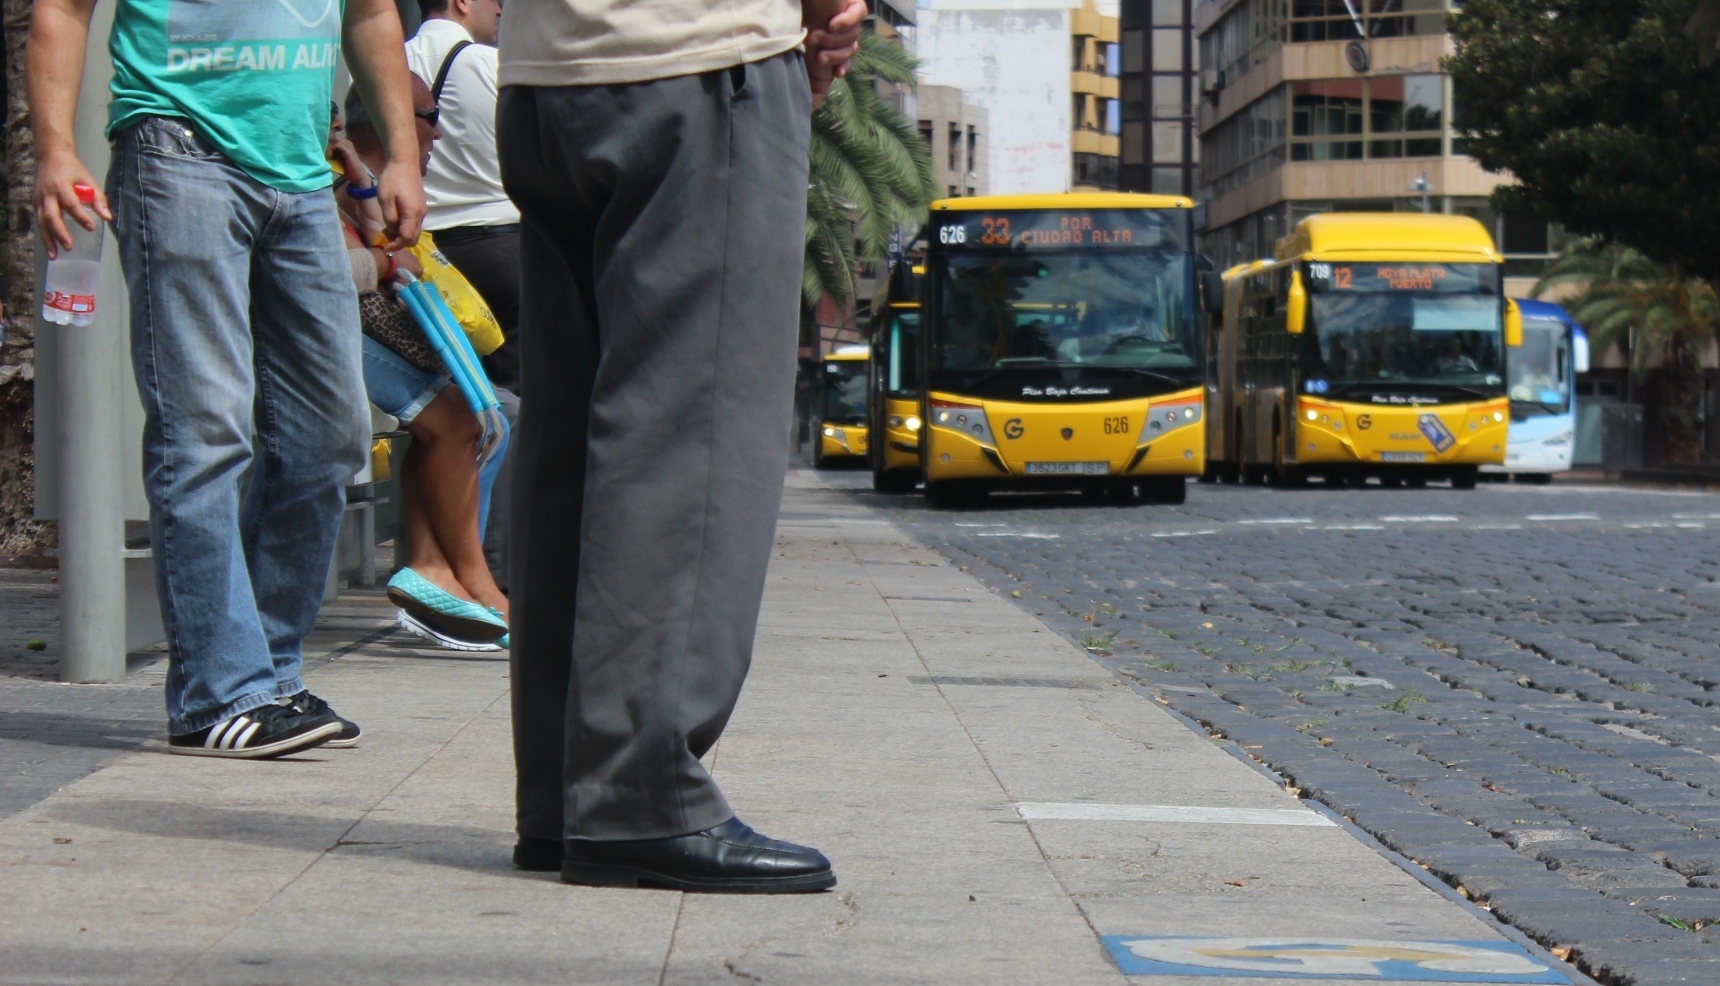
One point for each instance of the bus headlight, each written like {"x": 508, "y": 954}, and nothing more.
{"x": 1498, "y": 415}
{"x": 895, "y": 421}
{"x": 829, "y": 432}
{"x": 912, "y": 423}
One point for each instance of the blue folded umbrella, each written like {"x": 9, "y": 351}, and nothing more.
{"x": 449, "y": 340}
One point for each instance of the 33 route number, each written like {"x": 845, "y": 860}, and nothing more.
{"x": 1116, "y": 426}
{"x": 952, "y": 234}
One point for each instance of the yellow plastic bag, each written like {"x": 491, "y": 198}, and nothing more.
{"x": 482, "y": 329}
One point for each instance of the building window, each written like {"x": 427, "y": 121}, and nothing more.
{"x": 926, "y": 134}
{"x": 1394, "y": 117}
{"x": 1113, "y": 116}
{"x": 972, "y": 151}
{"x": 1168, "y": 50}
{"x": 1113, "y": 59}
{"x": 955, "y": 145}
{"x": 1333, "y": 20}
{"x": 1094, "y": 171}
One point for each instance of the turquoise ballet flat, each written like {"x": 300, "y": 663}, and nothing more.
{"x": 440, "y": 610}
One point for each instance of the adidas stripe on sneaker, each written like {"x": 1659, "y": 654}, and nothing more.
{"x": 267, "y": 731}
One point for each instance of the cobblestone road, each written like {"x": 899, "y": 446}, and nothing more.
{"x": 1514, "y": 686}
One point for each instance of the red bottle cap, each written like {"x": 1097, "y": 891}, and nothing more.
{"x": 86, "y": 194}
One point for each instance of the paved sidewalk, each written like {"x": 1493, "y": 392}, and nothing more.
{"x": 996, "y": 804}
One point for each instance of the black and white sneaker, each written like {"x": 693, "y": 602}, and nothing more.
{"x": 267, "y": 731}
{"x": 306, "y": 702}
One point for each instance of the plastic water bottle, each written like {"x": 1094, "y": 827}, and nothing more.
{"x": 69, "y": 296}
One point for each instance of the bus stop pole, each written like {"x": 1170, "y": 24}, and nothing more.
{"x": 91, "y": 432}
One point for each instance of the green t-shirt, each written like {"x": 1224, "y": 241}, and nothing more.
{"x": 254, "y": 77}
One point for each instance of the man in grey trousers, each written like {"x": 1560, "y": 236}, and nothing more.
{"x": 658, "y": 153}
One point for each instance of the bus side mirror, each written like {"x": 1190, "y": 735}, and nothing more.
{"x": 1580, "y": 354}
{"x": 1212, "y": 292}
{"x": 1296, "y": 305}
{"x": 1513, "y": 324}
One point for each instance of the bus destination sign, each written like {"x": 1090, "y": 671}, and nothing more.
{"x": 1052, "y": 229}
{"x": 1387, "y": 278}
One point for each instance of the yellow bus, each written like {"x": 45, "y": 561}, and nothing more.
{"x": 1372, "y": 344}
{"x": 842, "y": 408}
{"x": 895, "y": 380}
{"x": 1061, "y": 346}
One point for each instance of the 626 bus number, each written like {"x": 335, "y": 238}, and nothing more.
{"x": 1116, "y": 426}
{"x": 952, "y": 234}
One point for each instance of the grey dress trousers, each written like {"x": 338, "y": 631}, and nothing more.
{"x": 662, "y": 230}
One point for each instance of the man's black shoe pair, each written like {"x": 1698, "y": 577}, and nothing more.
{"x": 730, "y": 858}
{"x": 267, "y": 731}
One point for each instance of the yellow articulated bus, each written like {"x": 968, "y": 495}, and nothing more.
{"x": 1372, "y": 344}
{"x": 895, "y": 381}
{"x": 1061, "y": 346}
{"x": 842, "y": 422}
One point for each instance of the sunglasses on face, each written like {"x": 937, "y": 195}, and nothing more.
{"x": 431, "y": 116}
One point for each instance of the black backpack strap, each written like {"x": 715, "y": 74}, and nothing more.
{"x": 442, "y": 73}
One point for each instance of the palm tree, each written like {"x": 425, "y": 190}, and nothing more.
{"x": 871, "y": 171}
{"x": 1654, "y": 312}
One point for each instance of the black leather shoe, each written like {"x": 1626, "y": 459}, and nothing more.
{"x": 728, "y": 859}
{"x": 537, "y": 855}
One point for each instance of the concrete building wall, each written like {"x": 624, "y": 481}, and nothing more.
{"x": 953, "y": 128}
{"x": 1012, "y": 59}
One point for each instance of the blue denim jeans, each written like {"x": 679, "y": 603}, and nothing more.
{"x": 245, "y": 343}
{"x": 400, "y": 389}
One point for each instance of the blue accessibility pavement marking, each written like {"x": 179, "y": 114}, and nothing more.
{"x": 1331, "y": 958}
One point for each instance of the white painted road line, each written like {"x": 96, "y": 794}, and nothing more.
{"x": 1356, "y": 527}
{"x": 1648, "y": 523}
{"x": 1690, "y": 523}
{"x": 1016, "y": 534}
{"x": 1180, "y": 534}
{"x": 1279, "y": 520}
{"x": 1563, "y": 517}
{"x": 1184, "y": 814}
{"x": 1421, "y": 518}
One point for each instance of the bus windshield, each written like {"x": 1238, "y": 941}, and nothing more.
{"x": 1539, "y": 381}
{"x": 1395, "y": 324}
{"x": 845, "y": 391}
{"x": 1116, "y": 309}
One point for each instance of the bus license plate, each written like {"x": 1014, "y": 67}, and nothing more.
{"x": 1403, "y": 456}
{"x": 1068, "y": 468}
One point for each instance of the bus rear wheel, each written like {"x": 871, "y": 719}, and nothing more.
{"x": 1463, "y": 477}
{"x": 1169, "y": 490}
{"x": 893, "y": 480}
{"x": 955, "y": 494}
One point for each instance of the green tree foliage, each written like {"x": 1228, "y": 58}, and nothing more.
{"x": 1652, "y": 311}
{"x": 870, "y": 171}
{"x": 1603, "y": 112}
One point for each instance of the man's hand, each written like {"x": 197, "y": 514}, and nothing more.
{"x": 401, "y": 195}
{"x": 832, "y": 39}
{"x": 56, "y": 172}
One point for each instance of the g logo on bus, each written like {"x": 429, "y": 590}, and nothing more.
{"x": 1067, "y": 433}
{"x": 1012, "y": 428}
{"x": 1364, "y": 421}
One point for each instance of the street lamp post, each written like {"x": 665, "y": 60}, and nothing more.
{"x": 1421, "y": 185}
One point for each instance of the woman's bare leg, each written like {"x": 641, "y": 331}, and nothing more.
{"x": 441, "y": 483}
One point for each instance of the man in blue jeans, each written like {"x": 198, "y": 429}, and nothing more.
{"x": 244, "y": 321}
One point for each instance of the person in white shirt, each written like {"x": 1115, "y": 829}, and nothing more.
{"x": 474, "y": 223}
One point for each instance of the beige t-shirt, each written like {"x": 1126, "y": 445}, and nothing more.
{"x": 602, "y": 42}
